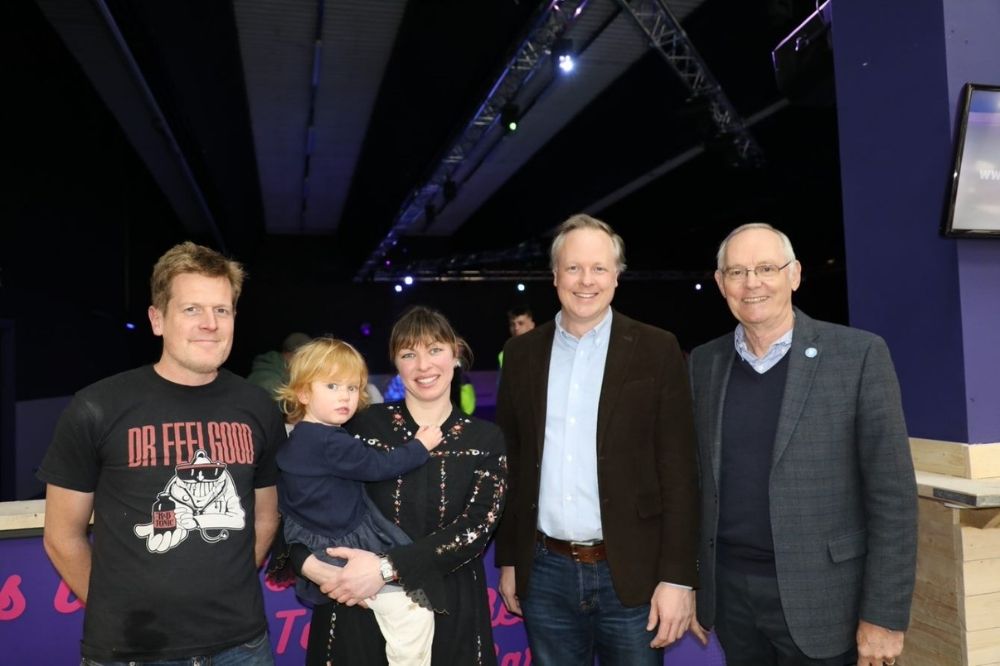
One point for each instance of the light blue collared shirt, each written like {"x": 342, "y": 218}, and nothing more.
{"x": 770, "y": 358}
{"x": 569, "y": 507}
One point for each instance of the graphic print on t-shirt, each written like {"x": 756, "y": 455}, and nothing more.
{"x": 202, "y": 497}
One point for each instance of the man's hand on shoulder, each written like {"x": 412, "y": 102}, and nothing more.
{"x": 671, "y": 611}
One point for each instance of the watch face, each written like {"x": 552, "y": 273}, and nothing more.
{"x": 385, "y": 568}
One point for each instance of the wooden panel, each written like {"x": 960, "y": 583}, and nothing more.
{"x": 981, "y": 611}
{"x": 981, "y": 576}
{"x": 925, "y": 645}
{"x": 984, "y": 647}
{"x": 933, "y": 512}
{"x": 935, "y": 608}
{"x": 965, "y": 492}
{"x": 980, "y": 544}
{"x": 984, "y": 461}
{"x": 956, "y": 601}
{"x": 24, "y": 515}
{"x": 981, "y": 518}
{"x": 969, "y": 461}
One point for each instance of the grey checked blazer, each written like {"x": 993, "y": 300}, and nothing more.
{"x": 843, "y": 498}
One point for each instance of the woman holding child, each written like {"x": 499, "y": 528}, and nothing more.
{"x": 448, "y": 506}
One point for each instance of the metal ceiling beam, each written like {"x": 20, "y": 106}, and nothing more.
{"x": 666, "y": 35}
{"x": 537, "y": 275}
{"x": 553, "y": 20}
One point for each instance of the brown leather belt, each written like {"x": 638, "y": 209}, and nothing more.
{"x": 575, "y": 551}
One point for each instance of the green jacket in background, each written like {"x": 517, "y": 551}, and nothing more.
{"x": 268, "y": 371}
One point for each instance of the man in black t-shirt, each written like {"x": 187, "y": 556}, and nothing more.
{"x": 176, "y": 463}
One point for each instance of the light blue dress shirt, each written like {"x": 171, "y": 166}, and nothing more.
{"x": 568, "y": 502}
{"x": 770, "y": 358}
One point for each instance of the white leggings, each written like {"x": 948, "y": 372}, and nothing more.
{"x": 407, "y": 627}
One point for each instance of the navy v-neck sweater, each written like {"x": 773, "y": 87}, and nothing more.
{"x": 749, "y": 425}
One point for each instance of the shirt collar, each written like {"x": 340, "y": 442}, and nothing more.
{"x": 777, "y": 348}
{"x": 599, "y": 333}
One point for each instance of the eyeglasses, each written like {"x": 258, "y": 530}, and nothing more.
{"x": 763, "y": 272}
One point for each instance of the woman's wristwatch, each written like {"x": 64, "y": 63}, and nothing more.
{"x": 386, "y": 569}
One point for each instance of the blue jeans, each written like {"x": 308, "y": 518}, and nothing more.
{"x": 571, "y": 613}
{"x": 255, "y": 652}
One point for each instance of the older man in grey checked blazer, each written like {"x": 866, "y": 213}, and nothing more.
{"x": 809, "y": 533}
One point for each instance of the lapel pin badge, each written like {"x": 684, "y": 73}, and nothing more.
{"x": 811, "y": 352}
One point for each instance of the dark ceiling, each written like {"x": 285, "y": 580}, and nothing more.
{"x": 236, "y": 89}
{"x": 130, "y": 126}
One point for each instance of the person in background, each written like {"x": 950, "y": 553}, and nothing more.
{"x": 321, "y": 489}
{"x": 449, "y": 507}
{"x": 270, "y": 369}
{"x": 520, "y": 320}
{"x": 598, "y": 547}
{"x": 463, "y": 393}
{"x": 176, "y": 462}
{"x": 809, "y": 502}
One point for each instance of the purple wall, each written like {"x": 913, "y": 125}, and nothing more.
{"x": 41, "y": 621}
{"x": 971, "y": 29}
{"x": 899, "y": 69}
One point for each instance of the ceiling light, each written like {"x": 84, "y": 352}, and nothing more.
{"x": 510, "y": 115}
{"x": 563, "y": 55}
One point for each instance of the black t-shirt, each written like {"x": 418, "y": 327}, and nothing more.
{"x": 173, "y": 470}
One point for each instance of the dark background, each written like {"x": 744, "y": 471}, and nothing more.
{"x": 83, "y": 221}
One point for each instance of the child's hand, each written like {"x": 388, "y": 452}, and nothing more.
{"x": 429, "y": 436}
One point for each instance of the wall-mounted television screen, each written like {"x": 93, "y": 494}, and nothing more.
{"x": 974, "y": 209}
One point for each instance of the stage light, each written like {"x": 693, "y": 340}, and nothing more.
{"x": 563, "y": 55}
{"x": 697, "y": 286}
{"x": 366, "y": 329}
{"x": 388, "y": 263}
{"x": 130, "y": 326}
{"x": 520, "y": 286}
{"x": 408, "y": 280}
{"x": 398, "y": 288}
{"x": 510, "y": 115}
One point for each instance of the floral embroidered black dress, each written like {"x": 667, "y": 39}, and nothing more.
{"x": 449, "y": 507}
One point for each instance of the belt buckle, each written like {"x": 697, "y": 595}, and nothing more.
{"x": 573, "y": 545}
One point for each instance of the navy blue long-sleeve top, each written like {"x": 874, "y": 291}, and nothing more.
{"x": 323, "y": 470}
